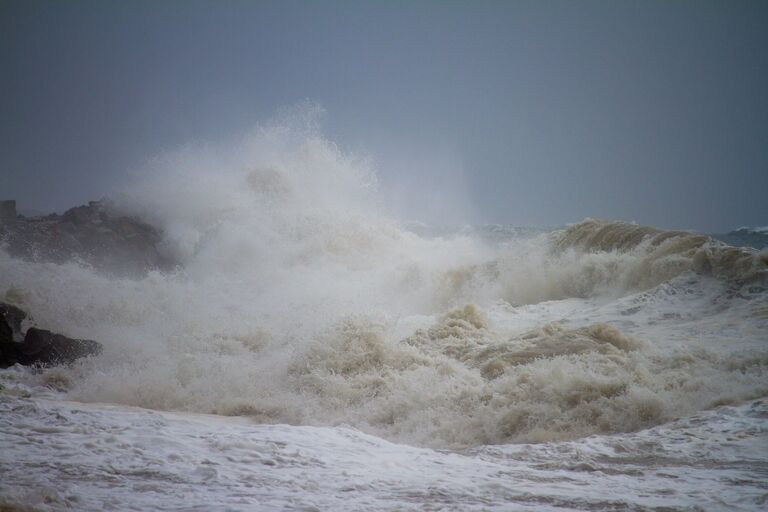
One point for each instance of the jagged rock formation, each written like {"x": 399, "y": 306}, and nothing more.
{"x": 11, "y": 318}
{"x": 93, "y": 233}
{"x": 37, "y": 346}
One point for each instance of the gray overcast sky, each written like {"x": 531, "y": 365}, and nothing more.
{"x": 542, "y": 112}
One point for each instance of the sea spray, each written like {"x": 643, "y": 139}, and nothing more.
{"x": 299, "y": 299}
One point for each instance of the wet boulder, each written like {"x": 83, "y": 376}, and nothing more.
{"x": 11, "y": 317}
{"x": 10, "y": 333}
{"x": 6, "y": 333}
{"x": 6, "y": 340}
{"x": 37, "y": 346}
{"x": 47, "y": 348}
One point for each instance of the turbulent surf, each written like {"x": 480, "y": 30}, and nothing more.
{"x": 289, "y": 295}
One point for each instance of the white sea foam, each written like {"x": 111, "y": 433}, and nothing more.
{"x": 299, "y": 299}
{"x": 63, "y": 456}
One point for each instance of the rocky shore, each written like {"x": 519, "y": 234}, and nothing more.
{"x": 37, "y": 347}
{"x": 94, "y": 234}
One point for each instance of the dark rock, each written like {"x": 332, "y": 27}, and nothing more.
{"x": 38, "y": 346}
{"x": 12, "y": 317}
{"x": 10, "y": 332}
{"x": 95, "y": 234}
{"x": 48, "y": 348}
{"x": 6, "y": 333}
{"x": 8, "y": 353}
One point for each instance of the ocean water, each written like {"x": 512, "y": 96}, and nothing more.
{"x": 313, "y": 351}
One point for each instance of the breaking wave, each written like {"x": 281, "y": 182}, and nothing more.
{"x": 665, "y": 254}
{"x": 300, "y": 299}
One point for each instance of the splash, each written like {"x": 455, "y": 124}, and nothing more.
{"x": 300, "y": 299}
{"x": 663, "y": 254}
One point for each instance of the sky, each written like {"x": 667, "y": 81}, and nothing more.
{"x": 526, "y": 113}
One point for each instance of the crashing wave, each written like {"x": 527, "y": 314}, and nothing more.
{"x": 664, "y": 254}
{"x": 297, "y": 299}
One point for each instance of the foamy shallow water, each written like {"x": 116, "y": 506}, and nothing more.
{"x": 59, "y": 455}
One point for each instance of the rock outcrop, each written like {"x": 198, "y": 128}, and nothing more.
{"x": 37, "y": 346}
{"x": 94, "y": 234}
{"x": 11, "y": 318}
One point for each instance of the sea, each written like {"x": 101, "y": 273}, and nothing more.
{"x": 313, "y": 351}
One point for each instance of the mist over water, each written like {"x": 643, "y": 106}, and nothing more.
{"x": 299, "y": 298}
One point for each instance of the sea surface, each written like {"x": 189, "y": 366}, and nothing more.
{"x": 310, "y": 351}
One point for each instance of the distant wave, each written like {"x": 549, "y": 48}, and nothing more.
{"x": 665, "y": 254}
{"x": 756, "y": 237}
{"x": 759, "y": 230}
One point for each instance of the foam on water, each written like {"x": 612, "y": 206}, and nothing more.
{"x": 300, "y": 300}
{"x": 634, "y": 359}
{"x": 62, "y": 456}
